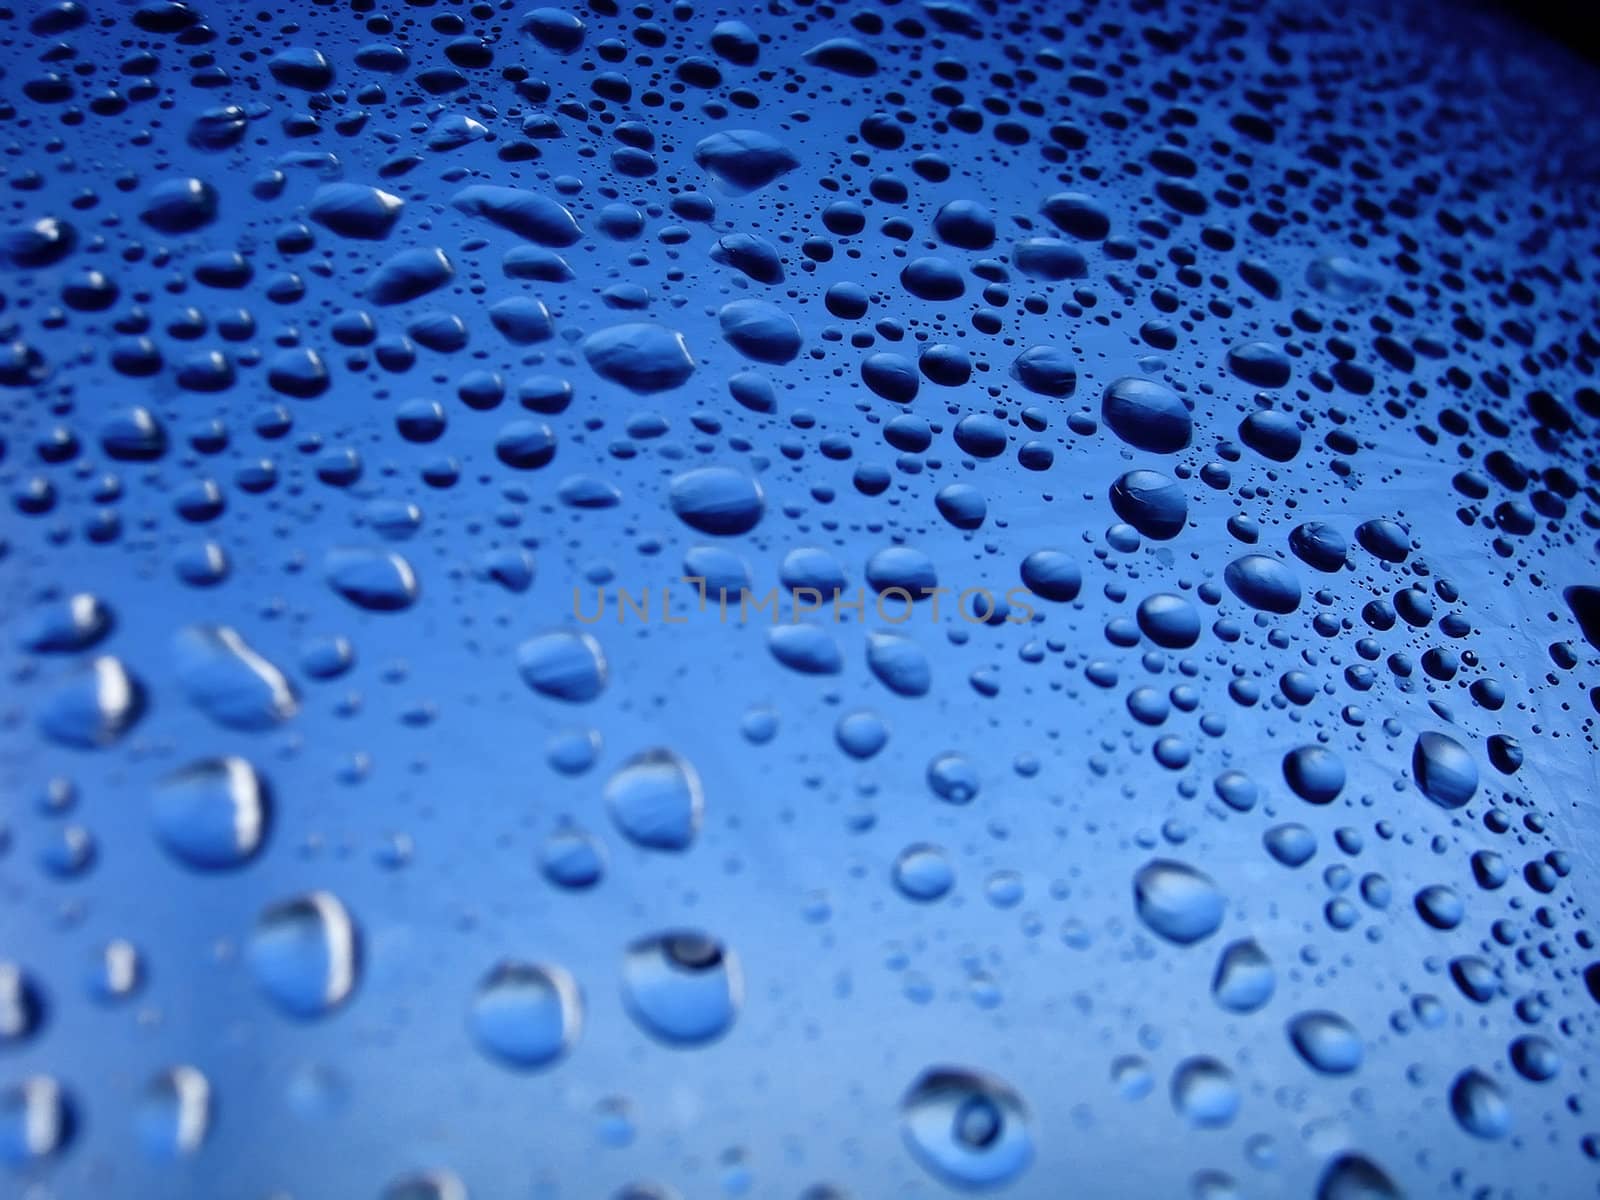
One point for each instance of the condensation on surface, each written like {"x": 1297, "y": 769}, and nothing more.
{"x": 673, "y": 601}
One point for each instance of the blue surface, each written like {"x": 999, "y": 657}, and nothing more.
{"x": 1244, "y": 357}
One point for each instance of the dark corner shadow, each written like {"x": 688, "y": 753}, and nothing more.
{"x": 1575, "y": 26}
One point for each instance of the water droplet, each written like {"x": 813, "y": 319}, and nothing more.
{"x": 967, "y": 1128}
{"x": 21, "y": 1005}
{"x": 526, "y": 214}
{"x": 718, "y": 500}
{"x": 526, "y": 1015}
{"x": 1479, "y": 1105}
{"x": 1177, "y": 902}
{"x": 229, "y": 681}
{"x": 1535, "y": 1058}
{"x": 923, "y": 873}
{"x": 1444, "y": 770}
{"x": 656, "y": 801}
{"x": 36, "y": 1120}
{"x": 376, "y": 580}
{"x": 1291, "y": 844}
{"x": 1356, "y": 1177}
{"x": 1326, "y": 1041}
{"x": 95, "y": 707}
{"x": 212, "y": 814}
{"x": 563, "y": 665}
{"x": 1244, "y": 979}
{"x": 305, "y": 954}
{"x": 67, "y": 625}
{"x": 1147, "y": 415}
{"x": 1132, "y": 1076}
{"x": 174, "y": 1114}
{"x": 643, "y": 358}
{"x": 1263, "y": 583}
{"x": 573, "y": 859}
{"x": 743, "y": 160}
{"x": 683, "y": 987}
{"x": 355, "y": 210}
{"x": 116, "y": 971}
{"x": 1205, "y": 1093}
{"x": 953, "y": 778}
{"x": 1315, "y": 773}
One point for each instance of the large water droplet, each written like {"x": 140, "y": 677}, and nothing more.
{"x": 354, "y": 210}
{"x": 1326, "y": 1041}
{"x": 36, "y": 1120}
{"x": 65, "y": 626}
{"x": 744, "y": 160}
{"x": 968, "y": 1128}
{"x": 643, "y": 358}
{"x": 526, "y": 1015}
{"x": 21, "y": 1005}
{"x": 656, "y": 800}
{"x": 563, "y": 665}
{"x": 1356, "y": 1177}
{"x": 923, "y": 873}
{"x": 95, "y": 707}
{"x": 1263, "y": 583}
{"x": 376, "y": 580}
{"x": 1147, "y": 415}
{"x": 526, "y": 214}
{"x": 174, "y": 1114}
{"x": 718, "y": 500}
{"x": 1244, "y": 979}
{"x": 1315, "y": 773}
{"x": 229, "y": 681}
{"x": 683, "y": 987}
{"x": 1205, "y": 1093}
{"x": 1176, "y": 901}
{"x": 211, "y": 814}
{"x": 1444, "y": 770}
{"x": 305, "y": 954}
{"x": 1480, "y": 1105}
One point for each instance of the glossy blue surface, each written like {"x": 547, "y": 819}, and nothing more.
{"x": 806, "y": 602}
